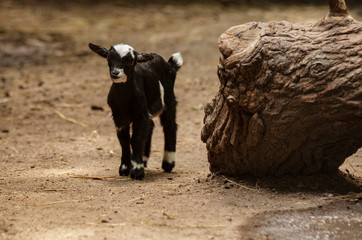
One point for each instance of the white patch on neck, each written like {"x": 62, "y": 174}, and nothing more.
{"x": 136, "y": 165}
{"x": 170, "y": 157}
{"x": 178, "y": 59}
{"x": 124, "y": 49}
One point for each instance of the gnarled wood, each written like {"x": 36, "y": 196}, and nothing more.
{"x": 290, "y": 100}
{"x": 337, "y": 8}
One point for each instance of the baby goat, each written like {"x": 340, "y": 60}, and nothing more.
{"x": 142, "y": 88}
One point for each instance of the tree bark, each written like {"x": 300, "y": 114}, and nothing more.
{"x": 290, "y": 100}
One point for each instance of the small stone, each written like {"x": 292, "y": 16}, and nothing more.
{"x": 97, "y": 108}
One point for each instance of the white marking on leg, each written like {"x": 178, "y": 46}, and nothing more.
{"x": 124, "y": 167}
{"x": 136, "y": 165}
{"x": 119, "y": 129}
{"x": 144, "y": 158}
{"x": 178, "y": 59}
{"x": 169, "y": 157}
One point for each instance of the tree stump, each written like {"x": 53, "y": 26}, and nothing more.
{"x": 290, "y": 100}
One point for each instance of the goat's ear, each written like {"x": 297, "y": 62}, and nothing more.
{"x": 137, "y": 56}
{"x": 101, "y": 51}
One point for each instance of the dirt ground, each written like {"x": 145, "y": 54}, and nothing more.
{"x": 59, "y": 155}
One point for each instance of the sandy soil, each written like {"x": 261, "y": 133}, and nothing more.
{"x": 59, "y": 157}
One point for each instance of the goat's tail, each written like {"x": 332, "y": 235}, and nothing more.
{"x": 176, "y": 61}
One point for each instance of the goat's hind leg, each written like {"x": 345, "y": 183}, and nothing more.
{"x": 168, "y": 121}
{"x": 147, "y": 150}
{"x": 124, "y": 139}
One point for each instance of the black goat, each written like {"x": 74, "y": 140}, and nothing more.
{"x": 142, "y": 89}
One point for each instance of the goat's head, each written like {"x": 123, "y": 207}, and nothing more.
{"x": 121, "y": 60}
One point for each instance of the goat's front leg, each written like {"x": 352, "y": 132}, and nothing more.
{"x": 124, "y": 140}
{"x": 138, "y": 143}
{"x": 147, "y": 149}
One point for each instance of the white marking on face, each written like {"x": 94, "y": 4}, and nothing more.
{"x": 162, "y": 94}
{"x": 170, "y": 157}
{"x": 136, "y": 165}
{"x": 124, "y": 49}
{"x": 122, "y": 77}
{"x": 178, "y": 59}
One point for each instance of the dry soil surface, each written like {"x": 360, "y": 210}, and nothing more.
{"x": 59, "y": 155}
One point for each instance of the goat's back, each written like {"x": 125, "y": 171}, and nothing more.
{"x": 152, "y": 62}
{"x": 156, "y": 69}
{"x": 153, "y": 71}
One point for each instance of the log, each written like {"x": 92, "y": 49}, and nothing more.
{"x": 290, "y": 97}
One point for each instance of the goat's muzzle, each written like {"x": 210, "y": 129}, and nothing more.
{"x": 118, "y": 76}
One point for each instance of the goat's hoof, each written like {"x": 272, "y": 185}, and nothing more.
{"x": 123, "y": 170}
{"x": 137, "y": 173}
{"x": 167, "y": 166}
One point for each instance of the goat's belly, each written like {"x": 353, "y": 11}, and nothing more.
{"x": 156, "y": 103}
{"x": 155, "y": 109}
{"x": 154, "y": 115}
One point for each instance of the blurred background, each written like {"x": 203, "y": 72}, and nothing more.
{"x": 55, "y": 123}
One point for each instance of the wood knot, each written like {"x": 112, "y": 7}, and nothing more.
{"x": 231, "y": 99}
